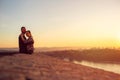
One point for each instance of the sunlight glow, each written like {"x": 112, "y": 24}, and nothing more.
{"x": 60, "y": 23}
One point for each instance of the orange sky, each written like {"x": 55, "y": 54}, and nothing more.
{"x": 63, "y": 23}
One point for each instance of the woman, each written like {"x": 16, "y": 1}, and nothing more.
{"x": 29, "y": 42}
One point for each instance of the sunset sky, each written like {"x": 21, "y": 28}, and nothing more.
{"x": 61, "y": 23}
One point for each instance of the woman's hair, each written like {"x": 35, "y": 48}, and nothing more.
{"x": 28, "y": 31}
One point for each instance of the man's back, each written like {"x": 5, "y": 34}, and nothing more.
{"x": 22, "y": 46}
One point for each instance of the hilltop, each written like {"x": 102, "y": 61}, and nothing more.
{"x": 15, "y": 66}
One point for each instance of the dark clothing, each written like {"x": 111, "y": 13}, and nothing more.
{"x": 22, "y": 45}
{"x": 29, "y": 42}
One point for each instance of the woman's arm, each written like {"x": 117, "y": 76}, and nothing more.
{"x": 29, "y": 41}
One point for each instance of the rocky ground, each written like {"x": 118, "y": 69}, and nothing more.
{"x": 42, "y": 67}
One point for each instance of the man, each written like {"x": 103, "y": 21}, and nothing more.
{"x": 22, "y": 46}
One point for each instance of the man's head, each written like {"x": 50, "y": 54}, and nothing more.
{"x": 23, "y": 30}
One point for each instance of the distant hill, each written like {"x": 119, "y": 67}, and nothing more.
{"x": 94, "y": 55}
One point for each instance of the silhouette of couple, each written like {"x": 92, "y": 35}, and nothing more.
{"x": 26, "y": 41}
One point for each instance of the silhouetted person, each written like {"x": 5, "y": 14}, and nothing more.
{"x": 28, "y": 42}
{"x": 22, "y": 45}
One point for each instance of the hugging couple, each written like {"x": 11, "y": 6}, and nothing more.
{"x": 26, "y": 41}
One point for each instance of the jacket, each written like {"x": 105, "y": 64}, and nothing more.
{"x": 22, "y": 45}
{"x": 29, "y": 43}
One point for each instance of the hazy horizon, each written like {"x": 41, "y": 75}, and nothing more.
{"x": 61, "y": 23}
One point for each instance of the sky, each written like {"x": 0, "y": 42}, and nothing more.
{"x": 61, "y": 23}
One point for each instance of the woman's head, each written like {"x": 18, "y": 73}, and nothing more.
{"x": 28, "y": 33}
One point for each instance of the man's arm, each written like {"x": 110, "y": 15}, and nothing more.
{"x": 22, "y": 37}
